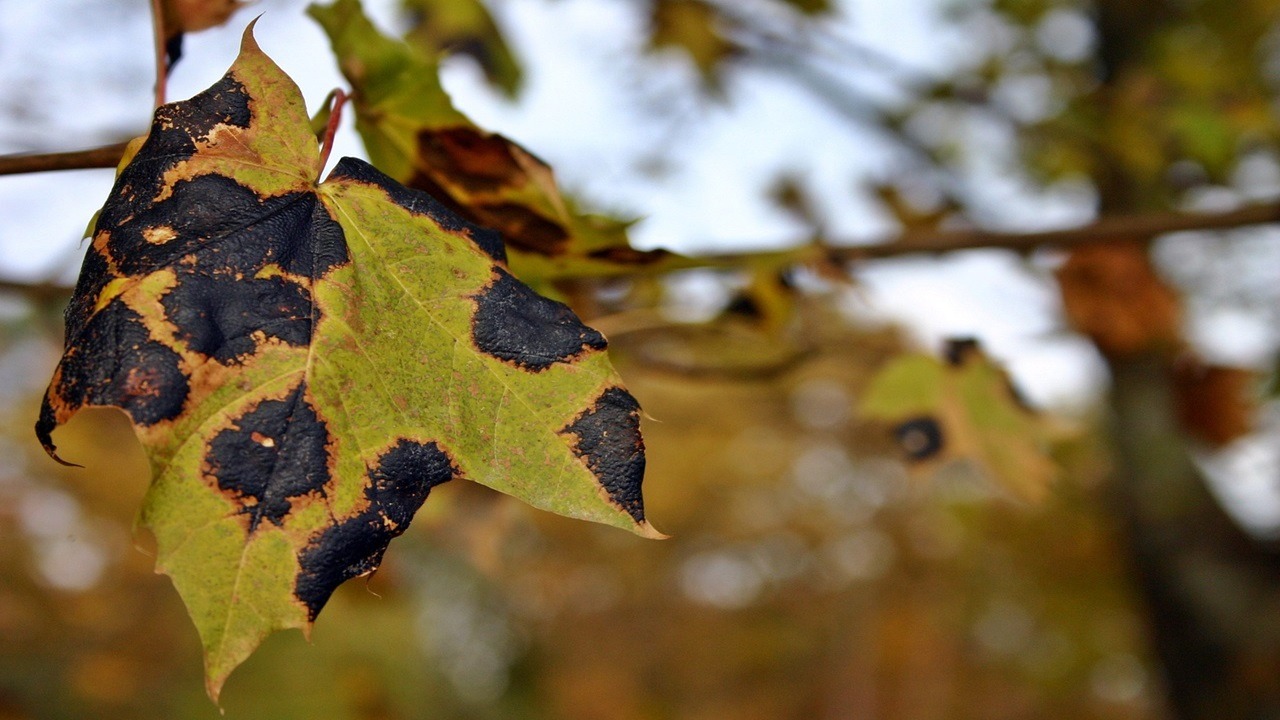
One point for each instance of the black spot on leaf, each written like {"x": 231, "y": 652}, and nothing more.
{"x": 95, "y": 273}
{"x": 214, "y": 224}
{"x": 45, "y": 425}
{"x": 328, "y": 245}
{"x": 224, "y": 317}
{"x": 399, "y": 485}
{"x": 515, "y": 324}
{"x": 607, "y": 438}
{"x": 114, "y": 361}
{"x": 441, "y": 210}
{"x": 957, "y": 351}
{"x": 478, "y": 161}
{"x": 626, "y": 255}
{"x": 524, "y": 227}
{"x": 173, "y": 49}
{"x": 172, "y": 139}
{"x": 271, "y": 455}
{"x": 920, "y": 438}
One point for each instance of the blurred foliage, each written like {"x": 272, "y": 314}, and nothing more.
{"x": 464, "y": 27}
{"x": 808, "y": 574}
{"x": 413, "y": 132}
{"x": 964, "y": 408}
{"x": 691, "y": 26}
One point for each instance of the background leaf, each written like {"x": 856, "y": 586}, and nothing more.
{"x": 414, "y": 134}
{"x": 964, "y": 408}
{"x": 464, "y": 27}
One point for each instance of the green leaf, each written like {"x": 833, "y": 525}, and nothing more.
{"x": 692, "y": 27}
{"x": 303, "y": 362}
{"x": 414, "y": 134}
{"x": 811, "y": 7}
{"x": 464, "y": 27}
{"x": 966, "y": 409}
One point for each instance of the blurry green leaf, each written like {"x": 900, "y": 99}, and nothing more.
{"x": 464, "y": 27}
{"x": 769, "y": 299}
{"x": 320, "y": 120}
{"x": 964, "y": 408}
{"x": 810, "y": 7}
{"x": 304, "y": 361}
{"x": 913, "y": 384}
{"x": 1205, "y": 135}
{"x": 414, "y": 134}
{"x": 691, "y": 27}
{"x": 789, "y": 193}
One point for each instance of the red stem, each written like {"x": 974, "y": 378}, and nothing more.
{"x": 335, "y": 116}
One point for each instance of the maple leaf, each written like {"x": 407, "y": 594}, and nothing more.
{"x": 963, "y": 408}
{"x": 304, "y": 361}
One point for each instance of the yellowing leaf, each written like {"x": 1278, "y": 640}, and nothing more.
{"x": 691, "y": 26}
{"x": 304, "y": 361}
{"x": 414, "y": 134}
{"x": 194, "y": 15}
{"x": 464, "y": 27}
{"x": 964, "y": 408}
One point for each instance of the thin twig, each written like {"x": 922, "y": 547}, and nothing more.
{"x": 107, "y": 156}
{"x": 1142, "y": 227}
{"x": 38, "y": 291}
{"x": 1116, "y": 229}
{"x": 162, "y": 57}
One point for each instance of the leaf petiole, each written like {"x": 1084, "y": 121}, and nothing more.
{"x": 337, "y": 99}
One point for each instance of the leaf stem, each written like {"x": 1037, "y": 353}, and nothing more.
{"x": 1141, "y": 227}
{"x": 107, "y": 156}
{"x": 331, "y": 129}
{"x": 162, "y": 62}
{"x": 38, "y": 291}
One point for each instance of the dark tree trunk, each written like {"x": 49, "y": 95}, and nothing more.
{"x": 1212, "y": 591}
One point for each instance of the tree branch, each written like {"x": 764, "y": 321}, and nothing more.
{"x": 107, "y": 156}
{"x": 1116, "y": 229}
{"x": 1143, "y": 227}
{"x": 38, "y": 291}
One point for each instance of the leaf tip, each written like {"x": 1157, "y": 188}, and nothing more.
{"x": 249, "y": 44}
{"x": 60, "y": 461}
{"x": 645, "y": 530}
{"x": 213, "y": 688}
{"x": 44, "y": 433}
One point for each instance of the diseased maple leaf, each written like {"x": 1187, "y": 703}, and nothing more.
{"x": 413, "y": 132}
{"x": 304, "y": 361}
{"x": 963, "y": 409}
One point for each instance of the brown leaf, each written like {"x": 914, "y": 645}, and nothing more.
{"x": 178, "y": 17}
{"x": 193, "y": 15}
{"x": 1214, "y": 402}
{"x": 1112, "y": 294}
